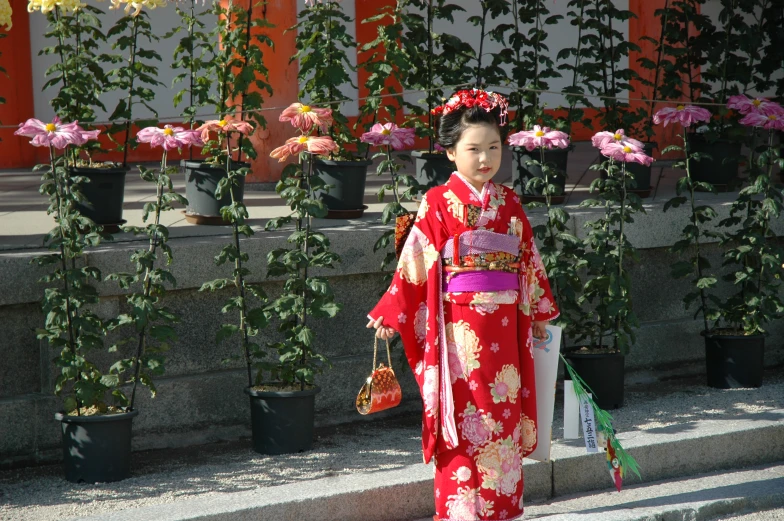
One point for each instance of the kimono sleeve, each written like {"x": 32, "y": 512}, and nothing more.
{"x": 541, "y": 303}
{"x": 404, "y": 306}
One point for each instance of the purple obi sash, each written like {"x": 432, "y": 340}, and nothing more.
{"x": 480, "y": 281}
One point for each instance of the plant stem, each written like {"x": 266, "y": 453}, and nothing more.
{"x": 548, "y": 203}
{"x": 132, "y": 69}
{"x": 688, "y": 54}
{"x": 305, "y": 248}
{"x": 658, "y": 62}
{"x": 621, "y": 245}
{"x": 697, "y": 244}
{"x": 245, "y": 64}
{"x": 239, "y": 279}
{"x": 728, "y": 31}
{"x": 765, "y": 215}
{"x": 62, "y": 207}
{"x": 573, "y": 101}
{"x": 191, "y": 70}
{"x": 429, "y": 85}
{"x": 147, "y": 283}
{"x": 519, "y": 113}
{"x": 393, "y": 174}
{"x": 536, "y": 59}
{"x": 485, "y": 8}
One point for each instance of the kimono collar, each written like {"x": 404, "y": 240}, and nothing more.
{"x": 466, "y": 192}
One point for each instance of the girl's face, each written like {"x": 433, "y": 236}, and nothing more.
{"x": 477, "y": 155}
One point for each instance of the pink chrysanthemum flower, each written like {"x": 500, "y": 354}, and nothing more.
{"x": 686, "y": 115}
{"x": 169, "y": 137}
{"x": 626, "y": 153}
{"x": 311, "y": 144}
{"x": 600, "y": 139}
{"x": 539, "y": 137}
{"x": 305, "y": 117}
{"x": 389, "y": 134}
{"x": 746, "y": 105}
{"x": 768, "y": 122}
{"x": 56, "y": 133}
{"x": 224, "y": 125}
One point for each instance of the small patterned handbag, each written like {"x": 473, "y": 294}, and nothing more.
{"x": 381, "y": 390}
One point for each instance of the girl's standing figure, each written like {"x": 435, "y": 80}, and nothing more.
{"x": 468, "y": 297}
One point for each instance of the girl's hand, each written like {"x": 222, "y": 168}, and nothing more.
{"x": 538, "y": 328}
{"x": 382, "y": 332}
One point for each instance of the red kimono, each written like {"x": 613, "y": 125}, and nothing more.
{"x": 471, "y": 352}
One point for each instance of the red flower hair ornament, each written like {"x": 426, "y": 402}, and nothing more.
{"x": 474, "y": 98}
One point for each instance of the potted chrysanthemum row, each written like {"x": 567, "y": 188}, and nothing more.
{"x": 734, "y": 327}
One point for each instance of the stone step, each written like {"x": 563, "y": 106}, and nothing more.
{"x": 700, "y": 498}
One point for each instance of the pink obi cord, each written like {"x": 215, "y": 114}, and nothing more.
{"x": 481, "y": 281}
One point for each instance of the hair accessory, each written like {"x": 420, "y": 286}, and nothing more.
{"x": 472, "y": 98}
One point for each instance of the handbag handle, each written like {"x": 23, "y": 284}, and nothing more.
{"x": 375, "y": 354}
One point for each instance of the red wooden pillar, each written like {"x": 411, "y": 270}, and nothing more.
{"x": 17, "y": 89}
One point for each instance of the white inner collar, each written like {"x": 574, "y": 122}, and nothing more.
{"x": 479, "y": 195}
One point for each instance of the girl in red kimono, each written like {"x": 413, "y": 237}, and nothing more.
{"x": 468, "y": 297}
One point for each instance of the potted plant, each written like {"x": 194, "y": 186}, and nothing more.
{"x": 96, "y": 417}
{"x": 237, "y": 66}
{"x": 735, "y": 352}
{"x": 690, "y": 43}
{"x": 283, "y": 405}
{"x": 322, "y": 42}
{"x": 562, "y": 253}
{"x": 531, "y": 69}
{"x": 432, "y": 61}
{"x": 251, "y": 318}
{"x": 605, "y": 331}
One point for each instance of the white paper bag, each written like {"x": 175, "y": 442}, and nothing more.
{"x": 546, "y": 353}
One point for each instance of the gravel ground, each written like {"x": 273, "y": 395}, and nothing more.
{"x": 767, "y": 515}
{"x": 163, "y": 476}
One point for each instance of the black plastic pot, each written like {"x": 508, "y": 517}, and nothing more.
{"x": 641, "y": 173}
{"x": 734, "y": 361}
{"x": 346, "y": 194}
{"x": 201, "y": 182}
{"x": 96, "y": 449}
{"x": 104, "y": 193}
{"x": 603, "y": 373}
{"x": 557, "y": 158}
{"x": 282, "y": 422}
{"x": 722, "y": 168}
{"x": 432, "y": 169}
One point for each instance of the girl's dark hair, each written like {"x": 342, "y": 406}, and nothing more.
{"x": 452, "y": 125}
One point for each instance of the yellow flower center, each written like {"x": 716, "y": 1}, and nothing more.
{"x": 168, "y": 132}
{"x": 303, "y": 140}
{"x": 756, "y": 103}
{"x": 386, "y": 132}
{"x": 305, "y": 108}
{"x": 222, "y": 123}
{"x": 680, "y": 107}
{"x": 50, "y": 127}
{"x": 617, "y": 137}
{"x": 627, "y": 150}
{"x": 774, "y": 118}
{"x": 539, "y": 133}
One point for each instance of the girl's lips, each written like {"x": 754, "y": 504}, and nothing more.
{"x": 484, "y": 170}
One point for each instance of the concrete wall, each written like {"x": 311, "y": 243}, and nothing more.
{"x": 200, "y": 398}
